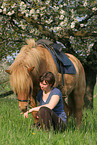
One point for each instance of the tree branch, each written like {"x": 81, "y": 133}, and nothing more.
{"x": 52, "y": 35}
{"x": 77, "y": 25}
{"x": 6, "y": 94}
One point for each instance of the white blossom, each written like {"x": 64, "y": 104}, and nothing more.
{"x": 32, "y": 11}
{"x": 13, "y": 6}
{"x": 47, "y": 22}
{"x": 37, "y": 11}
{"x": 94, "y": 9}
{"x": 27, "y": 14}
{"x": 4, "y": 10}
{"x": 81, "y": 25}
{"x": 85, "y": 4}
{"x": 41, "y": 14}
{"x": 65, "y": 4}
{"x": 72, "y": 24}
{"x": 55, "y": 8}
{"x": 32, "y": 30}
{"x": 61, "y": 6}
{"x": 61, "y": 17}
{"x": 24, "y": 6}
{"x": 42, "y": 8}
{"x": 47, "y": 2}
{"x": 22, "y": 3}
{"x": 57, "y": 28}
{"x": 62, "y": 12}
{"x": 2, "y": 6}
{"x": 22, "y": 12}
{"x": 62, "y": 23}
{"x": 10, "y": 13}
{"x": 35, "y": 17}
{"x": 0, "y": 10}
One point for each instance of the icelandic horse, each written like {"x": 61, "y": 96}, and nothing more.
{"x": 33, "y": 60}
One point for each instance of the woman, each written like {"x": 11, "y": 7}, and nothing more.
{"x": 51, "y": 112}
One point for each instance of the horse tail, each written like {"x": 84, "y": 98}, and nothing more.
{"x": 31, "y": 43}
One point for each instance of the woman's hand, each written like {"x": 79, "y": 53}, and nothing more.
{"x": 26, "y": 114}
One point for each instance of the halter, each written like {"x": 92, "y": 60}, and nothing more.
{"x": 22, "y": 100}
{"x": 28, "y": 100}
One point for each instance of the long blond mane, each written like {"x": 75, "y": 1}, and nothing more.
{"x": 29, "y": 56}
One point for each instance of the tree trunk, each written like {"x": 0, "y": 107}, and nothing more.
{"x": 90, "y": 84}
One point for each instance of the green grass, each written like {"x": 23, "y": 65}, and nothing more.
{"x": 15, "y": 130}
{"x": 95, "y": 90}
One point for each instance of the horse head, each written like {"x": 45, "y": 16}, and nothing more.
{"x": 22, "y": 84}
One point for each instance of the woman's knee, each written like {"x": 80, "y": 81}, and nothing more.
{"x": 43, "y": 111}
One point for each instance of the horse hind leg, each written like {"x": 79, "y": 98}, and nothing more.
{"x": 78, "y": 107}
{"x": 71, "y": 103}
{"x": 75, "y": 103}
{"x": 74, "y": 107}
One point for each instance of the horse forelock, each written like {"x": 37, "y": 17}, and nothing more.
{"x": 30, "y": 55}
{"x": 20, "y": 79}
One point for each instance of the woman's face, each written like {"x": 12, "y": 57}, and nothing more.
{"x": 45, "y": 86}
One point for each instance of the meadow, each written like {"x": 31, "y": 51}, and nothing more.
{"x": 15, "y": 130}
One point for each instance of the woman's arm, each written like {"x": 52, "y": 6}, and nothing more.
{"x": 36, "y": 109}
{"x": 31, "y": 110}
{"x": 53, "y": 102}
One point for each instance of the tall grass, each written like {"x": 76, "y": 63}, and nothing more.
{"x": 15, "y": 130}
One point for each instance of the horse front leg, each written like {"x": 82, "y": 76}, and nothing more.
{"x": 34, "y": 114}
{"x": 66, "y": 109}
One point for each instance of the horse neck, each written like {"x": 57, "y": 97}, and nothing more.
{"x": 47, "y": 63}
{"x": 45, "y": 59}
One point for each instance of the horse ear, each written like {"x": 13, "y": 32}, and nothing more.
{"x": 8, "y": 71}
{"x": 30, "y": 69}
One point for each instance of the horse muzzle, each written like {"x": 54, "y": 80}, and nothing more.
{"x": 23, "y": 106}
